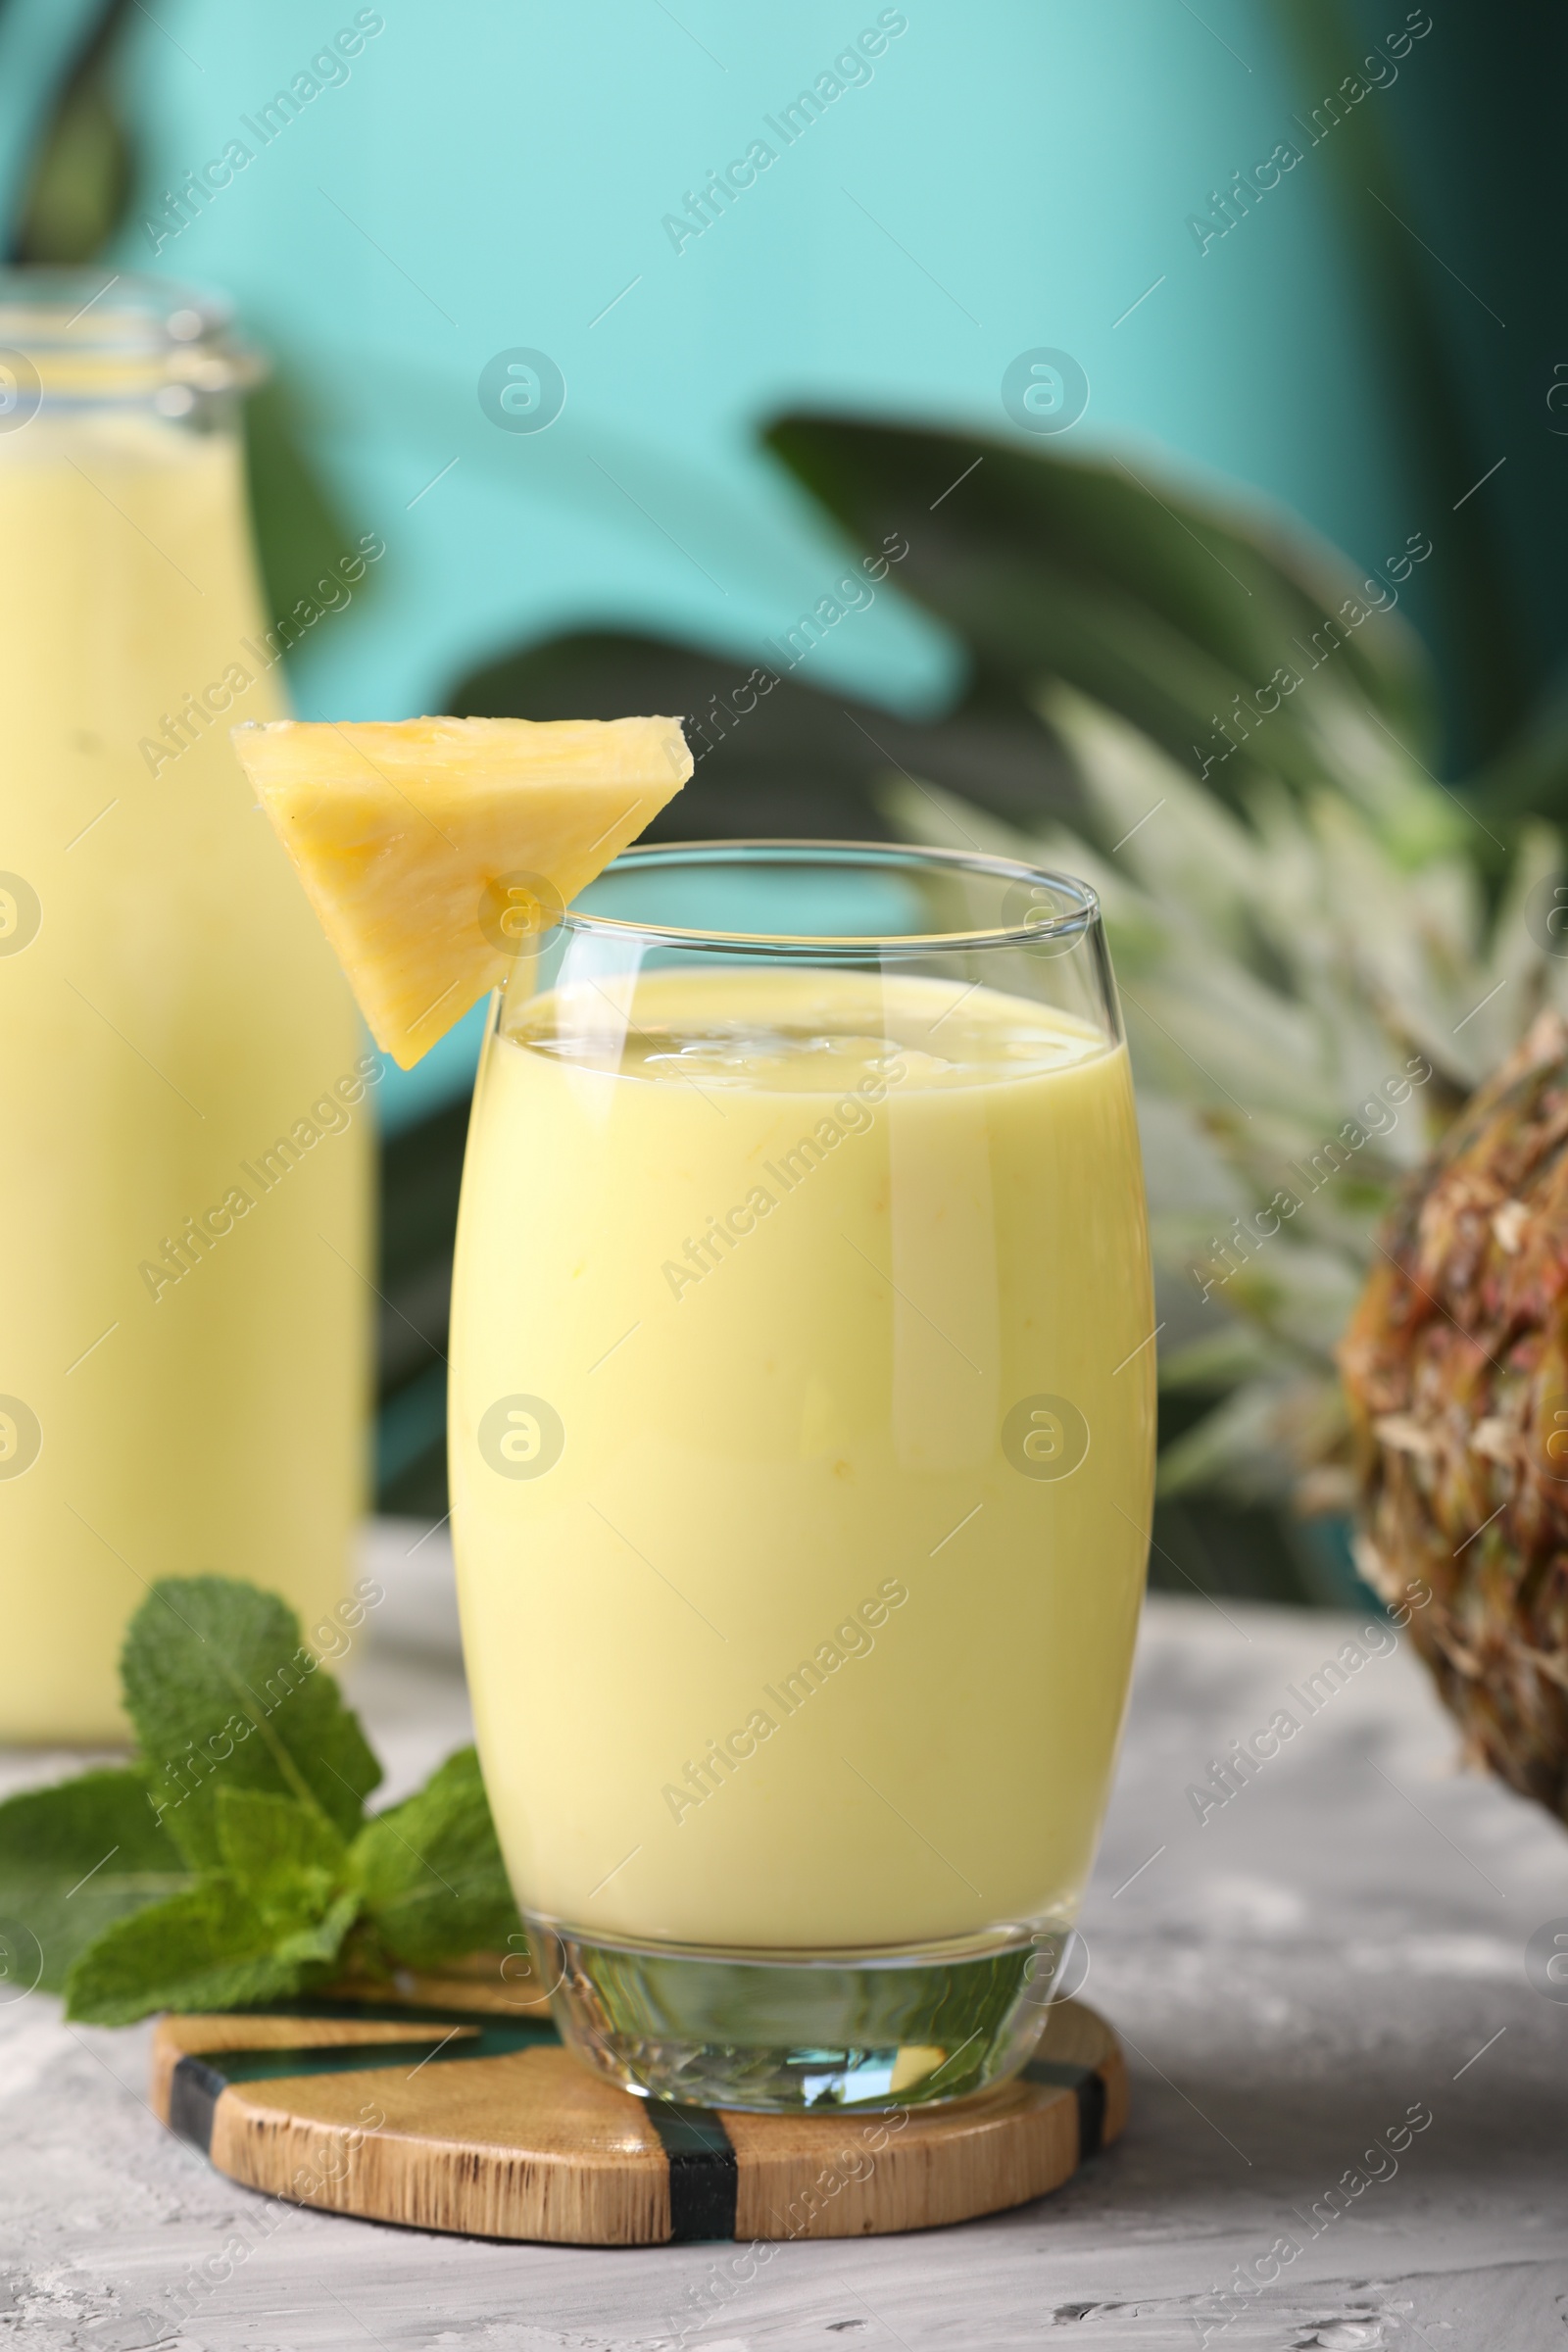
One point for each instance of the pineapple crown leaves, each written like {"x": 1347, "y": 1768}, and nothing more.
{"x": 1331, "y": 930}
{"x": 233, "y": 1861}
{"x": 1289, "y": 969}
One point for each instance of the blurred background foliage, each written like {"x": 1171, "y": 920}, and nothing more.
{"x": 1308, "y": 887}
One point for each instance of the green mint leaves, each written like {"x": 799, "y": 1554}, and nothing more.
{"x": 225, "y": 1695}
{"x": 233, "y": 1862}
{"x": 430, "y": 1872}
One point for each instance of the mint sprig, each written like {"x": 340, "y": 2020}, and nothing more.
{"x": 233, "y": 1861}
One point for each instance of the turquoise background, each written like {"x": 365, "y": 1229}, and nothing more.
{"x": 505, "y": 175}
{"x": 1006, "y": 178}
{"x": 1011, "y": 176}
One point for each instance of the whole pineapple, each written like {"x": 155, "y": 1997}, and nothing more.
{"x": 1455, "y": 1365}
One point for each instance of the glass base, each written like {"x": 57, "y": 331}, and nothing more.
{"x": 788, "y": 2032}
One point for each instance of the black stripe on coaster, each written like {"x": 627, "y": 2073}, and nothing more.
{"x": 704, "y": 2178}
{"x": 193, "y": 2095}
{"x": 1091, "y": 2116}
{"x": 1091, "y": 2095}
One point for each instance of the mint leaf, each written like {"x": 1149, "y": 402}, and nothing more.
{"x": 224, "y": 1693}
{"x": 75, "y": 1857}
{"x": 259, "y": 1836}
{"x": 430, "y": 1872}
{"x": 290, "y": 1863}
{"x": 209, "y": 1947}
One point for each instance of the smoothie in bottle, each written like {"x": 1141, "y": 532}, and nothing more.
{"x": 184, "y": 1162}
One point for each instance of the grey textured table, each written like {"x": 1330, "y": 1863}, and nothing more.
{"x": 1341, "y": 1943}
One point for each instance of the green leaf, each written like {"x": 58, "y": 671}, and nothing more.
{"x": 301, "y": 536}
{"x": 72, "y": 1859}
{"x": 289, "y": 1861}
{"x": 1419, "y": 356}
{"x": 209, "y": 1947}
{"x": 259, "y": 1835}
{"x": 430, "y": 1872}
{"x": 82, "y": 167}
{"x": 225, "y": 1695}
{"x": 1165, "y": 604}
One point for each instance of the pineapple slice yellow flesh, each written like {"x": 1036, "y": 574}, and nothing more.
{"x": 435, "y": 849}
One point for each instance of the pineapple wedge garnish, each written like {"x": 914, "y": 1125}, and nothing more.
{"x": 435, "y": 851}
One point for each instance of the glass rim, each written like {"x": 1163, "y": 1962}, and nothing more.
{"x": 1080, "y": 919}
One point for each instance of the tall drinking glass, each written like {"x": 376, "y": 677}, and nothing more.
{"x": 801, "y": 1450}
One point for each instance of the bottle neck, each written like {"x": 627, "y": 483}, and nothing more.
{"x": 76, "y": 342}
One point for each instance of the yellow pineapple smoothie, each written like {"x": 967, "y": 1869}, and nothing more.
{"x": 184, "y": 1165}
{"x": 802, "y": 1446}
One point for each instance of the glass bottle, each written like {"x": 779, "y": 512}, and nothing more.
{"x": 184, "y": 1150}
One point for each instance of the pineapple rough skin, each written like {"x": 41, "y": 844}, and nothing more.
{"x": 1456, "y": 1364}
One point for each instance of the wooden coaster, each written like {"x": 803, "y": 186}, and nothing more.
{"x": 448, "y": 2116}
